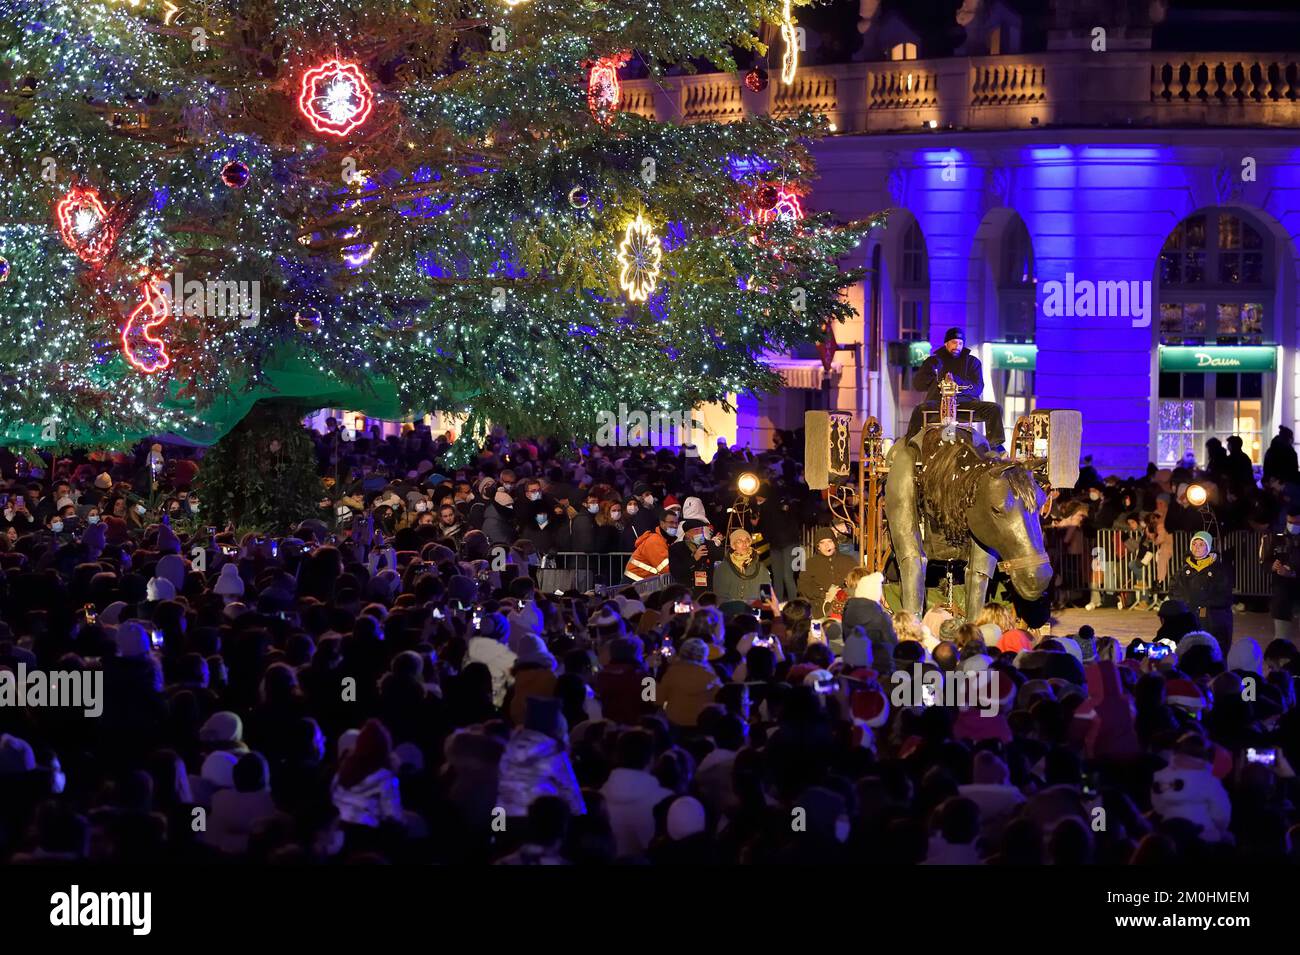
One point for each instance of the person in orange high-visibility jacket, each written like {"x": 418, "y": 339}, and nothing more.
{"x": 650, "y": 557}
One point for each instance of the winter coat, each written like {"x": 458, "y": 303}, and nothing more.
{"x": 1104, "y": 722}
{"x": 498, "y": 658}
{"x": 730, "y": 583}
{"x": 683, "y": 565}
{"x": 650, "y": 557}
{"x": 778, "y": 524}
{"x": 371, "y": 801}
{"x": 619, "y": 687}
{"x": 964, "y": 367}
{"x": 233, "y": 817}
{"x": 820, "y": 574}
{"x": 582, "y": 533}
{"x": 630, "y": 799}
{"x": 536, "y": 681}
{"x": 686, "y": 689}
{"x": 532, "y": 766}
{"x": 1187, "y": 789}
{"x": 1211, "y": 586}
{"x": 500, "y": 524}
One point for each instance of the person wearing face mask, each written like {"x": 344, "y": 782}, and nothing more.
{"x": 650, "y": 558}
{"x": 500, "y": 523}
{"x": 1205, "y": 583}
{"x": 548, "y": 530}
{"x": 449, "y": 522}
{"x": 640, "y": 509}
{"x": 1281, "y": 555}
{"x": 690, "y": 559}
{"x": 582, "y": 526}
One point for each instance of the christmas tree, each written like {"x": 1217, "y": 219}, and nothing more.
{"x": 426, "y": 206}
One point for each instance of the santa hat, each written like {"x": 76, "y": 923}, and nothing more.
{"x": 1184, "y": 693}
{"x": 870, "y": 706}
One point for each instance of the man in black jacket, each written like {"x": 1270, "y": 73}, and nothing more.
{"x": 955, "y": 359}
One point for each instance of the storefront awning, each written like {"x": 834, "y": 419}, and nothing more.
{"x": 1218, "y": 358}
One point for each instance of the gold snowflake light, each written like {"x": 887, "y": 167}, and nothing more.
{"x": 639, "y": 257}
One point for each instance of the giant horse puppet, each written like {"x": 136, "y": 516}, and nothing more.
{"x": 948, "y": 499}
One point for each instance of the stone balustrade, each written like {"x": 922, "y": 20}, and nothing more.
{"x": 1067, "y": 88}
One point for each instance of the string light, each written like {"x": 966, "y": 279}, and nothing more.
{"x": 148, "y": 315}
{"x": 790, "y": 42}
{"x": 335, "y": 98}
{"x": 604, "y": 91}
{"x": 788, "y": 206}
{"x": 639, "y": 255}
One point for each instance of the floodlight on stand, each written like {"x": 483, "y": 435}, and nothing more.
{"x": 747, "y": 484}
{"x": 1197, "y": 495}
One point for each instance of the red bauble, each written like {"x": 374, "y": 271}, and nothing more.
{"x": 787, "y": 206}
{"x": 235, "y": 174}
{"x": 767, "y": 196}
{"x": 756, "y": 79}
{"x": 335, "y": 98}
{"x": 82, "y": 220}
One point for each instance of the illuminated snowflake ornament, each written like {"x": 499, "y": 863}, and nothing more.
{"x": 604, "y": 92}
{"x": 786, "y": 205}
{"x": 81, "y": 218}
{"x": 639, "y": 259}
{"x": 335, "y": 98}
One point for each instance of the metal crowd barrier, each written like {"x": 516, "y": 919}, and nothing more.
{"x": 1104, "y": 562}
{"x": 569, "y": 570}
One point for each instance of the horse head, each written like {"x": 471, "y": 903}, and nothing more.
{"x": 1003, "y": 517}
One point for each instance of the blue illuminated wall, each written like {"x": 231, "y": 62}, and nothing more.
{"x": 1097, "y": 203}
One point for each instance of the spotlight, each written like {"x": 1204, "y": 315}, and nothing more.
{"x": 747, "y": 484}
{"x": 1197, "y": 495}
{"x": 933, "y": 124}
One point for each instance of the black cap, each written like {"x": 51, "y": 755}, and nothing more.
{"x": 952, "y": 333}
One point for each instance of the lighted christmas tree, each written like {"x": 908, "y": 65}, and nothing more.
{"x": 444, "y": 203}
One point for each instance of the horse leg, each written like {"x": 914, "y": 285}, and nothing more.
{"x": 905, "y": 526}
{"x": 980, "y": 567}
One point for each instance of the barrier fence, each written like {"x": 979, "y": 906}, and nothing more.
{"x": 1100, "y": 562}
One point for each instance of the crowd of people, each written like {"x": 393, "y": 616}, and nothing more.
{"x": 405, "y": 677}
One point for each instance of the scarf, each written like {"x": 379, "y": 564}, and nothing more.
{"x": 1200, "y": 563}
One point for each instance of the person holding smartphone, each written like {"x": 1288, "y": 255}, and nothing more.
{"x": 690, "y": 558}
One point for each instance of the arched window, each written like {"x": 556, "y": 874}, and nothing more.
{"x": 1216, "y": 284}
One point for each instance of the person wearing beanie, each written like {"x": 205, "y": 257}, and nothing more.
{"x": 536, "y": 763}
{"x": 1186, "y": 695}
{"x": 824, "y": 574}
{"x": 692, "y": 556}
{"x": 1204, "y": 582}
{"x": 132, "y": 640}
{"x": 229, "y": 584}
{"x": 160, "y": 589}
{"x": 172, "y": 567}
{"x": 168, "y": 542}
{"x": 740, "y": 575}
{"x": 650, "y": 552}
{"x": 689, "y": 684}
{"x": 954, "y": 358}
{"x": 104, "y": 481}
{"x": 366, "y": 790}
{"x": 863, "y": 610}
{"x": 500, "y": 523}
{"x": 223, "y": 730}
{"x": 534, "y": 676}
{"x": 991, "y": 790}
{"x": 686, "y": 839}
{"x": 620, "y": 685}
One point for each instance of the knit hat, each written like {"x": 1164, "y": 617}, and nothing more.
{"x": 219, "y": 769}
{"x": 952, "y": 333}
{"x": 160, "y": 588}
{"x": 1071, "y": 647}
{"x": 691, "y": 523}
{"x": 626, "y": 650}
{"x": 686, "y": 818}
{"x": 693, "y": 510}
{"x": 694, "y": 650}
{"x": 104, "y": 481}
{"x": 16, "y": 755}
{"x": 1200, "y": 638}
{"x": 132, "y": 640}
{"x": 502, "y": 498}
{"x": 111, "y": 614}
{"x": 1204, "y": 536}
{"x": 168, "y": 542}
{"x": 172, "y": 567}
{"x": 823, "y": 534}
{"x": 222, "y": 727}
{"x": 531, "y": 649}
{"x": 544, "y": 714}
{"x": 462, "y": 590}
{"x": 872, "y": 587}
{"x": 992, "y": 634}
{"x": 1184, "y": 693}
{"x": 229, "y": 583}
